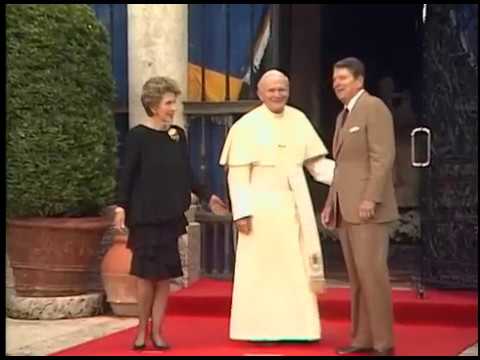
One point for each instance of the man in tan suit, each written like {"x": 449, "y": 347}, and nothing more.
{"x": 361, "y": 204}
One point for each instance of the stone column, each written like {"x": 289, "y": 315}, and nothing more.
{"x": 157, "y": 45}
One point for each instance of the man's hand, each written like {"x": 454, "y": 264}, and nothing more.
{"x": 119, "y": 218}
{"x": 217, "y": 205}
{"x": 326, "y": 217}
{"x": 244, "y": 225}
{"x": 366, "y": 210}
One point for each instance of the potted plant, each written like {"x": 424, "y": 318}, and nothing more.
{"x": 61, "y": 145}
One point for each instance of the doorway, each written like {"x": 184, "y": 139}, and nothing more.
{"x": 388, "y": 39}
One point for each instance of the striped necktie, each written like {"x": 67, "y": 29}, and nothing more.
{"x": 344, "y": 116}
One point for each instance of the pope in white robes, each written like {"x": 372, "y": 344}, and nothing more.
{"x": 279, "y": 264}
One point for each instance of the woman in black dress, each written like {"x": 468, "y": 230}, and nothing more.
{"x": 154, "y": 193}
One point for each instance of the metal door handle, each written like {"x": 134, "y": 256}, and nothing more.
{"x": 429, "y": 144}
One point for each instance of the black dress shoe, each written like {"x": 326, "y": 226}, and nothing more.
{"x": 353, "y": 350}
{"x": 387, "y": 352}
{"x": 161, "y": 346}
{"x": 138, "y": 347}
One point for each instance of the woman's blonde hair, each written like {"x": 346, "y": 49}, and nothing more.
{"x": 154, "y": 90}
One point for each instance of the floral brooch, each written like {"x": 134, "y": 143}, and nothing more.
{"x": 173, "y": 133}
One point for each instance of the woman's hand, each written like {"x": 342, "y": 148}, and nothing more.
{"x": 119, "y": 218}
{"x": 217, "y": 206}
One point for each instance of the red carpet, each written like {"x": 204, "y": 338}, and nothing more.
{"x": 443, "y": 323}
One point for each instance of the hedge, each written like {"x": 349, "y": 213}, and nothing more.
{"x": 61, "y": 139}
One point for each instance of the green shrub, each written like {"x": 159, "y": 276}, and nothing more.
{"x": 61, "y": 139}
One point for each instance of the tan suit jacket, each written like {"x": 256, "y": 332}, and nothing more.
{"x": 364, "y": 152}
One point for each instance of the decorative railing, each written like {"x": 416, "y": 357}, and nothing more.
{"x": 208, "y": 124}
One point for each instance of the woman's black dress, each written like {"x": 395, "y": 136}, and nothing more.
{"x": 154, "y": 189}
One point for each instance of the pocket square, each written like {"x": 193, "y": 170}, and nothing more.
{"x": 353, "y": 129}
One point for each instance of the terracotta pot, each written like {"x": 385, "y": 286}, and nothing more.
{"x": 53, "y": 256}
{"x": 119, "y": 285}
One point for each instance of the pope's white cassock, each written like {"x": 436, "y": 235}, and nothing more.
{"x": 272, "y": 295}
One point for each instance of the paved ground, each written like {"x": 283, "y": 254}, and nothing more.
{"x": 472, "y": 351}
{"x": 43, "y": 337}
